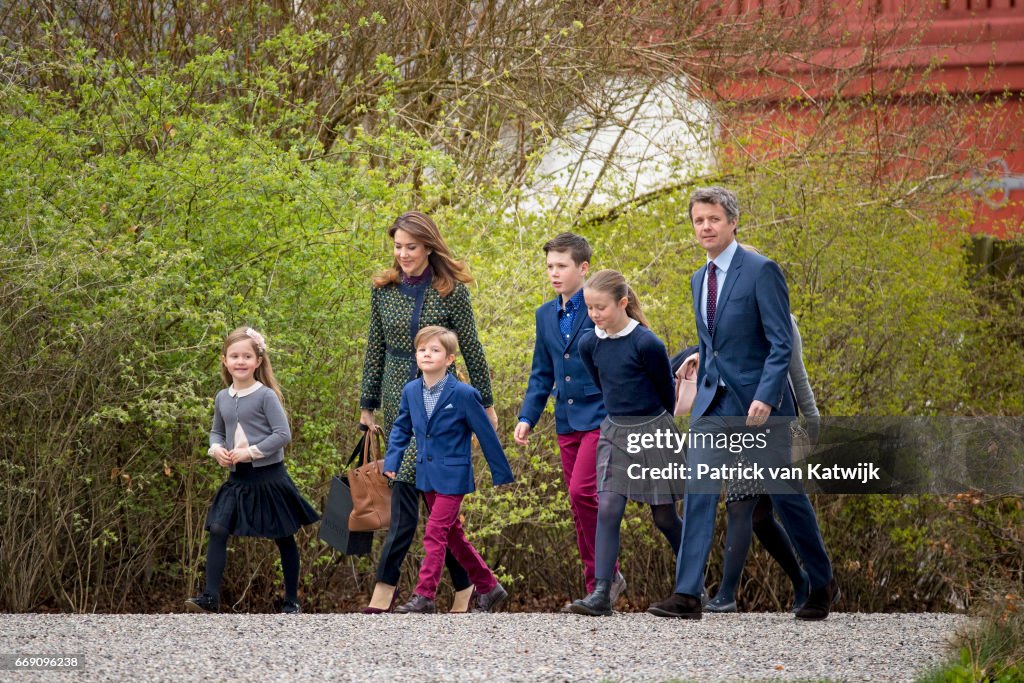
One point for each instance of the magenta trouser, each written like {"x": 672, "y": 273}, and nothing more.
{"x": 579, "y": 468}
{"x": 444, "y": 532}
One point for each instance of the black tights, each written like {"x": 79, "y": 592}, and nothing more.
{"x": 755, "y": 515}
{"x": 216, "y": 558}
{"x": 610, "y": 509}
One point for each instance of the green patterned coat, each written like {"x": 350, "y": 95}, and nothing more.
{"x": 390, "y": 356}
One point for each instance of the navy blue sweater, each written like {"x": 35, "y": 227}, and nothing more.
{"x": 633, "y": 372}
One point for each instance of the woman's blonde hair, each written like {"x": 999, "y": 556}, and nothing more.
{"x": 446, "y": 270}
{"x": 264, "y": 371}
{"x": 612, "y": 282}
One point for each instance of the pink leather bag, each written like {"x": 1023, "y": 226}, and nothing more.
{"x": 686, "y": 385}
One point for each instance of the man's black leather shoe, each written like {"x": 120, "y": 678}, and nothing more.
{"x": 679, "y": 606}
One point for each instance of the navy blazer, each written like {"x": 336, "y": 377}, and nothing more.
{"x": 444, "y": 457}
{"x": 752, "y": 342}
{"x": 557, "y": 363}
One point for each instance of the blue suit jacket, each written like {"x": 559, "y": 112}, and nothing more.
{"x": 557, "y": 364}
{"x": 444, "y": 461}
{"x": 752, "y": 341}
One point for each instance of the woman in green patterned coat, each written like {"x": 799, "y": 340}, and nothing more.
{"x": 425, "y": 286}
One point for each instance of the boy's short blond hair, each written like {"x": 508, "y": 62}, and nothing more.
{"x": 449, "y": 340}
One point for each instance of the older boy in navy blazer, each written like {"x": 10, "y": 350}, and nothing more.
{"x": 443, "y": 414}
{"x": 579, "y": 410}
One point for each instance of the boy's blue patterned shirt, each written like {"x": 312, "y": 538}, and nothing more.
{"x": 567, "y": 315}
{"x": 431, "y": 394}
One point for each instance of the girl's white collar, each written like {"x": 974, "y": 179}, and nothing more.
{"x": 630, "y": 326}
{"x": 235, "y": 393}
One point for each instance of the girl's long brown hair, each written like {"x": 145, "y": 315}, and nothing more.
{"x": 613, "y": 284}
{"x": 446, "y": 270}
{"x": 264, "y": 373}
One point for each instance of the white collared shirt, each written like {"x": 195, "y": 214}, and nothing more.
{"x": 232, "y": 392}
{"x": 630, "y": 326}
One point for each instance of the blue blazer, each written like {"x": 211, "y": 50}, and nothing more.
{"x": 752, "y": 341}
{"x": 444, "y": 461}
{"x": 557, "y": 363}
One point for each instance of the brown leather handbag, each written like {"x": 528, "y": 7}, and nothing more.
{"x": 371, "y": 495}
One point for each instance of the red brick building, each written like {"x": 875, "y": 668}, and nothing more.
{"x": 968, "y": 47}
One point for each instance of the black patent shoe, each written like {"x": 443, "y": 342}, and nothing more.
{"x": 291, "y": 607}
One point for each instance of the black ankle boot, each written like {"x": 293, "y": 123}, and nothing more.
{"x": 598, "y": 603}
{"x": 203, "y": 603}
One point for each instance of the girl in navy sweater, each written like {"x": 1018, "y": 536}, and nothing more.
{"x": 250, "y": 431}
{"x": 631, "y": 367}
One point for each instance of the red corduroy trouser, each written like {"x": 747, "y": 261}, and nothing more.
{"x": 444, "y": 532}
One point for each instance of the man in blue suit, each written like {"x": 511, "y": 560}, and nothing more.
{"x": 741, "y": 304}
{"x": 579, "y": 409}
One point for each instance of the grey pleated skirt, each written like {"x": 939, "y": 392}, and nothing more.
{"x": 651, "y": 475}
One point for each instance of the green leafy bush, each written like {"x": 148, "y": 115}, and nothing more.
{"x": 148, "y": 209}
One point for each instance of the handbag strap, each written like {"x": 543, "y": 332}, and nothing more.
{"x": 358, "y": 450}
{"x": 371, "y": 447}
{"x": 368, "y": 441}
{"x": 792, "y": 392}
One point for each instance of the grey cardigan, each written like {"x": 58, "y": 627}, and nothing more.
{"x": 798, "y": 376}
{"x": 801, "y": 384}
{"x": 262, "y": 418}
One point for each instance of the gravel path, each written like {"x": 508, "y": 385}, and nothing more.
{"x": 498, "y": 647}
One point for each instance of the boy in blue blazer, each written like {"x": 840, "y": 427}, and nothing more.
{"x": 579, "y": 410}
{"x": 443, "y": 414}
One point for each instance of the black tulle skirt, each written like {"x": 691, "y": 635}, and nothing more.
{"x": 260, "y": 501}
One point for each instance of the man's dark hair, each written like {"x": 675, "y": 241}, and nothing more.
{"x": 577, "y": 246}
{"x": 717, "y": 195}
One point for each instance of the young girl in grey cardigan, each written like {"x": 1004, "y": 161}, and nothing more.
{"x": 250, "y": 431}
